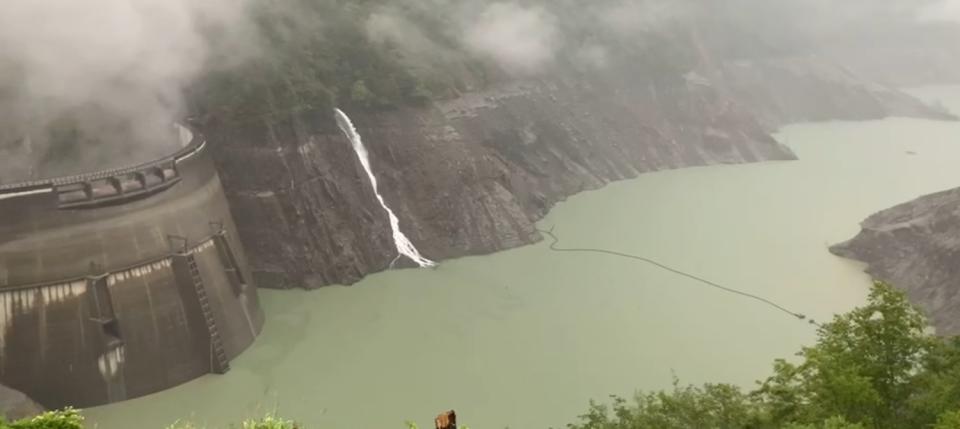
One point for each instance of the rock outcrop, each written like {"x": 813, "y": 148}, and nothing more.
{"x": 15, "y": 405}
{"x": 471, "y": 175}
{"x": 916, "y": 247}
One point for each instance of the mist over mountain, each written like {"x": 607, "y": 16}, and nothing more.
{"x": 89, "y": 84}
{"x": 135, "y": 66}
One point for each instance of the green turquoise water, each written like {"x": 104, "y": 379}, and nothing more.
{"x": 525, "y": 338}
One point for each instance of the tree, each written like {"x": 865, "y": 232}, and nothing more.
{"x": 938, "y": 386}
{"x": 949, "y": 420}
{"x": 864, "y": 367}
{"x": 831, "y": 423}
{"x": 875, "y": 367}
{"x": 361, "y": 95}
{"x": 712, "y": 406}
{"x": 65, "y": 419}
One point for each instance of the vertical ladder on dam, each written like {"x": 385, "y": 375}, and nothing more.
{"x": 229, "y": 261}
{"x": 219, "y": 362}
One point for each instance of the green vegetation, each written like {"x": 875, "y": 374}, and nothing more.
{"x": 271, "y": 421}
{"x": 315, "y": 54}
{"x": 65, "y": 419}
{"x": 386, "y": 54}
{"x": 876, "y": 367}
{"x": 71, "y": 419}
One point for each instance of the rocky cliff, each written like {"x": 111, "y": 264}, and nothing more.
{"x": 471, "y": 175}
{"x": 916, "y": 247}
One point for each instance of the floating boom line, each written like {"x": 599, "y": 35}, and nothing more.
{"x": 555, "y": 246}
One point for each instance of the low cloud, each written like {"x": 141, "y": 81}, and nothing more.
{"x": 111, "y": 69}
{"x": 630, "y": 17}
{"x": 942, "y": 10}
{"x": 389, "y": 27}
{"x": 592, "y": 57}
{"x": 521, "y": 40}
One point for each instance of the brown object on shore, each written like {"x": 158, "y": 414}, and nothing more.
{"x": 447, "y": 420}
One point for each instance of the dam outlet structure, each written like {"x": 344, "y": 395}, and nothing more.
{"x": 121, "y": 283}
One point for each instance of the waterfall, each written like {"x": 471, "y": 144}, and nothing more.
{"x": 404, "y": 246}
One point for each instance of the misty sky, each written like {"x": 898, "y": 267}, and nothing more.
{"x": 116, "y": 69}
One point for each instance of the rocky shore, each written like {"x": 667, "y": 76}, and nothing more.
{"x": 916, "y": 247}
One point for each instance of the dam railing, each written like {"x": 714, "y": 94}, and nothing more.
{"x": 79, "y": 185}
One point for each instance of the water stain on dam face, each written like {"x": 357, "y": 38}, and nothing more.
{"x": 525, "y": 338}
{"x": 120, "y": 283}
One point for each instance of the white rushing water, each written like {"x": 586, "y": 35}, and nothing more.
{"x": 404, "y": 246}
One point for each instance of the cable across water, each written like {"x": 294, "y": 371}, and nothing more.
{"x": 554, "y": 246}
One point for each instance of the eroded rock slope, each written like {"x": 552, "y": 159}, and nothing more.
{"x": 916, "y": 247}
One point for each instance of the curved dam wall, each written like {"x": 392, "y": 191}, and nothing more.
{"x": 121, "y": 283}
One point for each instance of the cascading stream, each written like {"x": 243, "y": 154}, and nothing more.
{"x": 404, "y": 246}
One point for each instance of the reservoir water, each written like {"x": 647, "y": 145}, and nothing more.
{"x": 526, "y": 338}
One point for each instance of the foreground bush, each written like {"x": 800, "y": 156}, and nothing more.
{"x": 876, "y": 367}
{"x": 271, "y": 421}
{"x": 66, "y": 419}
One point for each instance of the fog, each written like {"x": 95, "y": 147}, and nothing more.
{"x": 520, "y": 39}
{"x": 945, "y": 10}
{"x": 76, "y": 77}
{"x": 88, "y": 84}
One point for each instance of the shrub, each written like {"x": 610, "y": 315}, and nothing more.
{"x": 949, "y": 421}
{"x": 65, "y": 419}
{"x": 270, "y": 422}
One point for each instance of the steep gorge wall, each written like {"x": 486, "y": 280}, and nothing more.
{"x": 471, "y": 175}
{"x": 916, "y": 247}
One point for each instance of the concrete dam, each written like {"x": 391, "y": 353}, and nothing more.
{"x": 121, "y": 283}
